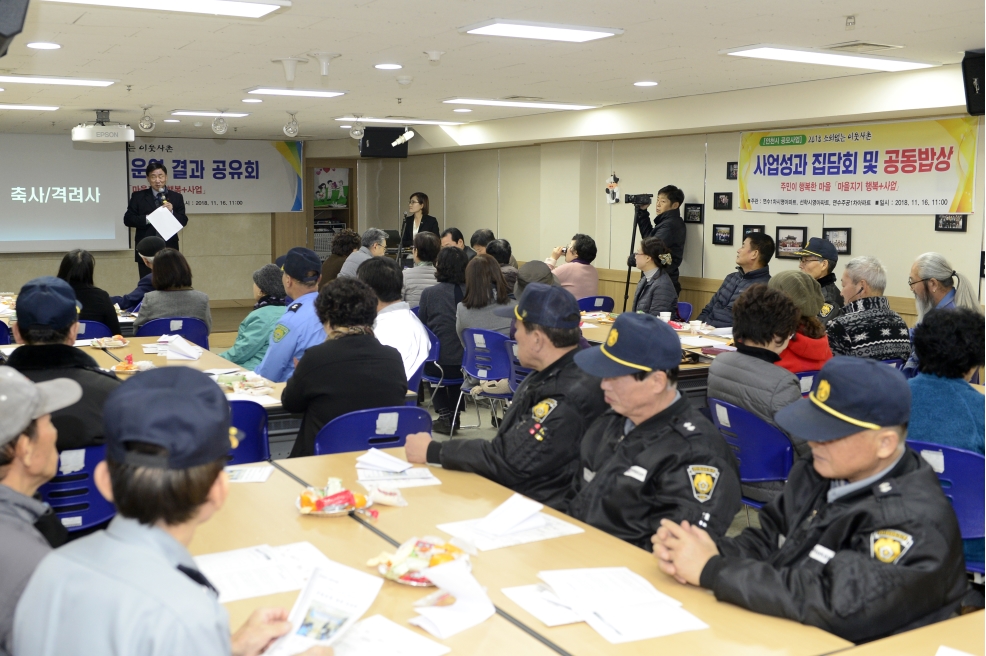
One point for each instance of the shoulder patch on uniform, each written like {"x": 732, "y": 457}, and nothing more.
{"x": 826, "y": 310}
{"x": 543, "y": 409}
{"x": 704, "y": 479}
{"x": 889, "y": 545}
{"x": 294, "y": 307}
{"x": 280, "y": 330}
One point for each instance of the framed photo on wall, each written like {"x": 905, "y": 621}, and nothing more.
{"x": 694, "y": 213}
{"x": 790, "y": 240}
{"x": 841, "y": 238}
{"x": 722, "y": 235}
{"x": 722, "y": 200}
{"x": 747, "y": 229}
{"x": 732, "y": 170}
{"x": 951, "y": 222}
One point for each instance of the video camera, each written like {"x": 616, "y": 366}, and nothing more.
{"x": 638, "y": 199}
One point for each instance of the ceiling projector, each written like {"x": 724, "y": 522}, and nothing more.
{"x": 101, "y": 131}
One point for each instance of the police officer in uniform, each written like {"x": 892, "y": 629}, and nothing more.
{"x": 861, "y": 543}
{"x": 299, "y": 328}
{"x": 818, "y": 259}
{"x": 536, "y": 449}
{"x": 652, "y": 456}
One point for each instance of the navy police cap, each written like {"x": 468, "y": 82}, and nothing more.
{"x": 47, "y": 302}
{"x": 819, "y": 247}
{"x": 636, "y": 342}
{"x": 299, "y": 262}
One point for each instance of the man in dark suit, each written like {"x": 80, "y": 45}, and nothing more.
{"x": 145, "y": 201}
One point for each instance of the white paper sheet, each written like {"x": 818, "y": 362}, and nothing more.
{"x": 723, "y": 332}
{"x": 541, "y": 602}
{"x": 377, "y": 459}
{"x": 164, "y": 222}
{"x": 698, "y": 342}
{"x": 467, "y": 531}
{"x": 152, "y": 349}
{"x": 249, "y": 474}
{"x": 181, "y": 349}
{"x": 588, "y": 325}
{"x": 378, "y": 636}
{"x": 415, "y": 477}
{"x": 518, "y": 513}
{"x": 219, "y": 372}
{"x": 260, "y": 570}
{"x": 949, "y": 651}
{"x": 266, "y": 401}
{"x": 7, "y": 350}
{"x": 471, "y": 606}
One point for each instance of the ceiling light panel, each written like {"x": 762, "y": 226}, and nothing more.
{"x": 55, "y": 81}
{"x": 516, "y": 103}
{"x": 237, "y": 8}
{"x": 305, "y": 93}
{"x": 43, "y": 45}
{"x": 36, "y": 108}
{"x": 645, "y": 83}
{"x": 388, "y": 67}
{"x": 396, "y": 121}
{"x": 543, "y": 31}
{"x": 192, "y": 112}
{"x": 825, "y": 58}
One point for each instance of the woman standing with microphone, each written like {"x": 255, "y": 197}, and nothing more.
{"x": 417, "y": 220}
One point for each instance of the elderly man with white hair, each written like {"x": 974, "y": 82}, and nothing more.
{"x": 866, "y": 326}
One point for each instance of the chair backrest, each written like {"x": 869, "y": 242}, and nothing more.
{"x": 517, "y": 372}
{"x": 961, "y": 474}
{"x": 416, "y": 309}
{"x": 436, "y": 346}
{"x": 485, "y": 356}
{"x": 192, "y": 329}
{"x": 73, "y": 494}
{"x": 378, "y": 427}
{"x": 806, "y": 379}
{"x": 684, "y": 310}
{"x": 596, "y": 304}
{"x": 4, "y": 334}
{"x": 251, "y": 418}
{"x": 93, "y": 329}
{"x": 764, "y": 453}
{"x": 896, "y": 363}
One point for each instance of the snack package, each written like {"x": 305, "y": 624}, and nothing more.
{"x": 415, "y": 556}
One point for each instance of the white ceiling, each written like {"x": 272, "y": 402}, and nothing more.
{"x": 185, "y": 61}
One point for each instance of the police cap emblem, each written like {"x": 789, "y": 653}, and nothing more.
{"x": 824, "y": 390}
{"x": 613, "y": 336}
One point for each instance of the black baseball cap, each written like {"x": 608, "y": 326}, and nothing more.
{"x": 544, "y": 305}
{"x": 848, "y": 395}
{"x": 151, "y": 246}
{"x": 819, "y": 247}
{"x": 47, "y": 302}
{"x": 636, "y": 342}
{"x": 179, "y": 409}
{"x": 299, "y": 262}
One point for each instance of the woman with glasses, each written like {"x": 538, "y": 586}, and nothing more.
{"x": 417, "y": 219}
{"x": 818, "y": 259}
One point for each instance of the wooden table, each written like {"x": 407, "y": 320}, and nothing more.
{"x": 966, "y": 633}
{"x": 264, "y": 513}
{"x": 468, "y": 496}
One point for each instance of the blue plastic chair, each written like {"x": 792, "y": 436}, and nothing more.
{"x": 416, "y": 309}
{"x": 518, "y": 372}
{"x": 251, "y": 418}
{"x": 807, "y": 379}
{"x": 192, "y": 329}
{"x": 74, "y": 497}
{"x": 365, "y": 429}
{"x": 93, "y": 329}
{"x": 764, "y": 453}
{"x": 4, "y": 334}
{"x": 596, "y": 304}
{"x": 684, "y": 310}
{"x": 485, "y": 358}
{"x": 963, "y": 481}
{"x": 896, "y": 363}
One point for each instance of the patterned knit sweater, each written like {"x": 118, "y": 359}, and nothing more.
{"x": 868, "y": 328}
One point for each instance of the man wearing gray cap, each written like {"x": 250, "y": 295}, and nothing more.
{"x": 28, "y": 460}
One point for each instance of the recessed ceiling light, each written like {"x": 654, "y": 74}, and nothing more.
{"x": 190, "y": 112}
{"x": 41, "y": 45}
{"x": 37, "y": 108}
{"x": 239, "y": 8}
{"x": 645, "y": 83}
{"x": 462, "y": 110}
{"x": 252, "y": 100}
{"x": 515, "y": 103}
{"x": 825, "y": 58}
{"x": 546, "y": 31}
{"x": 63, "y": 81}
{"x": 396, "y": 121}
{"x": 171, "y": 120}
{"x": 306, "y": 93}
{"x": 389, "y": 67}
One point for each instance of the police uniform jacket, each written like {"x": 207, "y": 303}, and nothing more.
{"x": 536, "y": 449}
{"x": 298, "y": 330}
{"x": 833, "y": 299}
{"x": 669, "y": 227}
{"x": 880, "y": 560}
{"x": 673, "y": 466}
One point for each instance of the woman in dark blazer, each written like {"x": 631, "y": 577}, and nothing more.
{"x": 76, "y": 269}
{"x": 417, "y": 220}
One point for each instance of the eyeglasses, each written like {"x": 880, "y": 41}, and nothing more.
{"x": 911, "y": 283}
{"x": 413, "y": 202}
{"x": 807, "y": 260}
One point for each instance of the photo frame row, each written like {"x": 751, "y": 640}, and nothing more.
{"x": 788, "y": 240}
{"x": 951, "y": 222}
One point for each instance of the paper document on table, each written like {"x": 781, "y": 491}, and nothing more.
{"x": 378, "y": 636}
{"x": 82, "y": 342}
{"x": 415, "y": 477}
{"x": 264, "y": 400}
{"x": 723, "y": 332}
{"x": 377, "y": 459}
{"x": 552, "y": 527}
{"x": 332, "y": 601}
{"x": 260, "y": 570}
{"x": 541, "y": 602}
{"x": 518, "y": 513}
{"x": 588, "y": 325}
{"x": 164, "y": 222}
{"x": 620, "y": 605}
{"x": 471, "y": 606}
{"x": 249, "y": 474}
{"x": 152, "y": 349}
{"x": 949, "y": 651}
{"x": 219, "y": 372}
{"x": 698, "y": 342}
{"x": 181, "y": 349}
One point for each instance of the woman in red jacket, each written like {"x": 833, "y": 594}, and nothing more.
{"x": 809, "y": 349}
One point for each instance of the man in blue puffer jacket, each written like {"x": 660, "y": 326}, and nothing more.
{"x": 751, "y": 269}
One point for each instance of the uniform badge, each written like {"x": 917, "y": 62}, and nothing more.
{"x": 613, "y": 336}
{"x": 704, "y": 479}
{"x": 826, "y": 310}
{"x": 280, "y": 330}
{"x": 543, "y": 409}
{"x": 889, "y": 545}
{"x": 294, "y": 307}
{"x": 824, "y": 389}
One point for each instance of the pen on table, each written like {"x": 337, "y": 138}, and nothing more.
{"x": 104, "y": 350}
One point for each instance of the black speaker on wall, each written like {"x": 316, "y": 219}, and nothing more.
{"x": 972, "y": 75}
{"x": 12, "y": 13}
{"x": 376, "y": 143}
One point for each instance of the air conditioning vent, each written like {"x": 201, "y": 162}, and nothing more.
{"x": 860, "y": 47}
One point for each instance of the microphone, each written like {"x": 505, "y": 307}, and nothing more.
{"x": 404, "y": 138}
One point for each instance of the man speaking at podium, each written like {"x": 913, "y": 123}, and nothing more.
{"x": 145, "y": 201}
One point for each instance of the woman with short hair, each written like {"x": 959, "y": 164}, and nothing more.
{"x": 77, "y": 270}
{"x": 173, "y": 295}
{"x": 655, "y": 291}
{"x": 253, "y": 336}
{"x": 421, "y": 276}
